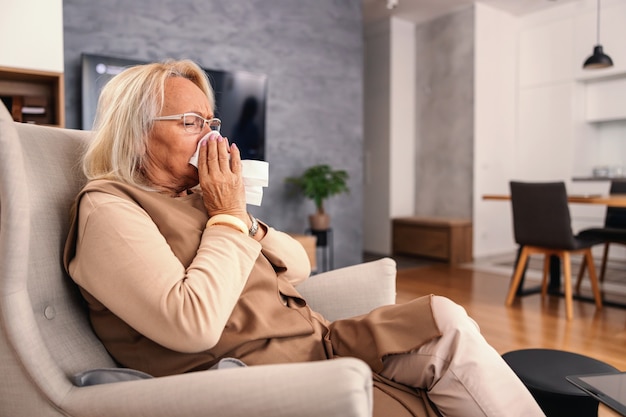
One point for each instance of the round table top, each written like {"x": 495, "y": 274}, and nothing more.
{"x": 546, "y": 369}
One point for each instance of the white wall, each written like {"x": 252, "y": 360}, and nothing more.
{"x": 389, "y": 134}
{"x": 376, "y": 119}
{"x": 402, "y": 109}
{"x": 32, "y": 34}
{"x": 495, "y": 71}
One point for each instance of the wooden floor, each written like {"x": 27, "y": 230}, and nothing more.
{"x": 530, "y": 323}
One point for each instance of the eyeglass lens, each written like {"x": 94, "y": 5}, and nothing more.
{"x": 194, "y": 123}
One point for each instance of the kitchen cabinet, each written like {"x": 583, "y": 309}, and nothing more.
{"x": 605, "y": 99}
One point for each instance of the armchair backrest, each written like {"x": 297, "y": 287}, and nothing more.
{"x": 45, "y": 335}
{"x": 616, "y": 216}
{"x": 541, "y": 215}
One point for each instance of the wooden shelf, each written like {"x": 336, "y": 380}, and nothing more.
{"x": 33, "y": 96}
{"x": 590, "y": 179}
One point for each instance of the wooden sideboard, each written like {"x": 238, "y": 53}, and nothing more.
{"x": 438, "y": 238}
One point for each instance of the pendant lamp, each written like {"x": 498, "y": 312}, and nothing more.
{"x": 599, "y": 59}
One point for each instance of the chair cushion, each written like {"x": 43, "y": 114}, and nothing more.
{"x": 604, "y": 234}
{"x": 582, "y": 242}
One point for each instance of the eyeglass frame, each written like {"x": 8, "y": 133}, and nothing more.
{"x": 181, "y": 116}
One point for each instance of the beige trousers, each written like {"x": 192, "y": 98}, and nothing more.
{"x": 461, "y": 373}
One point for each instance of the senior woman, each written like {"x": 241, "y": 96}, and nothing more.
{"x": 177, "y": 275}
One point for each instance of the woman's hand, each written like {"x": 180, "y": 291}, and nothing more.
{"x": 219, "y": 172}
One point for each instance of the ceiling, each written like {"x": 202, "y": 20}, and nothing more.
{"x": 423, "y": 10}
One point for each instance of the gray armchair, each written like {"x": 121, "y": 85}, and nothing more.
{"x": 46, "y": 338}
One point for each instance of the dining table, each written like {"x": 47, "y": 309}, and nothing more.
{"x": 554, "y": 285}
{"x": 612, "y": 200}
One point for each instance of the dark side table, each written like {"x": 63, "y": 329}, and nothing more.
{"x": 325, "y": 244}
{"x": 544, "y": 373}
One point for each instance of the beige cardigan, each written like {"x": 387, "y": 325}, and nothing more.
{"x": 168, "y": 295}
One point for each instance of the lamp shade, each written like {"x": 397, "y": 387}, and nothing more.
{"x": 598, "y": 60}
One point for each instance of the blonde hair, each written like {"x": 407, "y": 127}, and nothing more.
{"x": 124, "y": 118}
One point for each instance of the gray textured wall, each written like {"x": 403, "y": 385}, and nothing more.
{"x": 312, "y": 52}
{"x": 445, "y": 115}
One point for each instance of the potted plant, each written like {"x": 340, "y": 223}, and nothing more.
{"x": 319, "y": 183}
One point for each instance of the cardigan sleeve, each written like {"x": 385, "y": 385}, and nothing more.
{"x": 287, "y": 255}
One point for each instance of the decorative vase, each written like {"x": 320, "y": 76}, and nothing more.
{"x": 319, "y": 221}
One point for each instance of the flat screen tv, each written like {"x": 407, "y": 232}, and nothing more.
{"x": 240, "y": 100}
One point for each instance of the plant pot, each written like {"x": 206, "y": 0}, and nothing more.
{"x": 319, "y": 221}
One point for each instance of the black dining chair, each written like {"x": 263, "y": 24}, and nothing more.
{"x": 542, "y": 225}
{"x": 614, "y": 230}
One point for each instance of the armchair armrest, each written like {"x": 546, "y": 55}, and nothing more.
{"x": 340, "y": 387}
{"x": 312, "y": 389}
{"x": 353, "y": 290}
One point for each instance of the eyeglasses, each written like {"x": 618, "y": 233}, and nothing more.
{"x": 193, "y": 123}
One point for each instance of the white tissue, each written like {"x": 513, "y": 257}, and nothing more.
{"x": 255, "y": 175}
{"x": 254, "y": 195}
{"x": 194, "y": 158}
